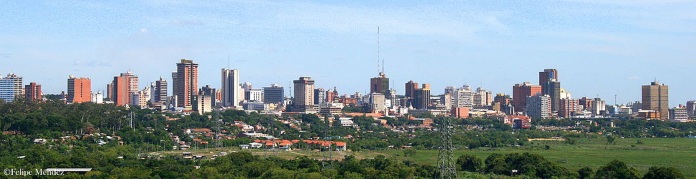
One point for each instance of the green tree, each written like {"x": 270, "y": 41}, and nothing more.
{"x": 410, "y": 152}
{"x": 663, "y": 172}
{"x": 470, "y": 163}
{"x": 611, "y": 139}
{"x": 585, "y": 173}
{"x": 616, "y": 169}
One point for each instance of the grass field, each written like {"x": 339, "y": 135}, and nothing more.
{"x": 673, "y": 152}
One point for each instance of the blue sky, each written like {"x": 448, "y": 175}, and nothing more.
{"x": 599, "y": 48}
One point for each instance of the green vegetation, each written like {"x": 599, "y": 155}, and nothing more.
{"x": 102, "y": 137}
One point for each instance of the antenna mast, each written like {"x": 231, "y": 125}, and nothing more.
{"x": 378, "y": 50}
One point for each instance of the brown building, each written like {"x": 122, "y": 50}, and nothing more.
{"x": 567, "y": 107}
{"x": 421, "y": 97}
{"x": 185, "y": 82}
{"x": 304, "y": 94}
{"x": 123, "y": 86}
{"x": 79, "y": 90}
{"x": 520, "y": 92}
{"x": 32, "y": 92}
{"x": 586, "y": 103}
{"x": 656, "y": 98}
{"x": 411, "y": 88}
{"x": 380, "y": 84}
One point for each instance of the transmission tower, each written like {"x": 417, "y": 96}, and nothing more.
{"x": 218, "y": 141}
{"x": 445, "y": 159}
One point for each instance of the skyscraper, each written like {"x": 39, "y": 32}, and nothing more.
{"x": 546, "y": 75}
{"x": 160, "y": 90}
{"x": 656, "y": 97}
{"x": 520, "y": 92}
{"x": 32, "y": 92}
{"x": 185, "y": 83}
{"x": 123, "y": 87}
{"x": 231, "y": 91}
{"x": 79, "y": 90}
{"x": 319, "y": 96}
{"x": 11, "y": 87}
{"x": 304, "y": 94}
{"x": 380, "y": 84}
{"x": 273, "y": 94}
{"x": 411, "y": 87}
{"x": 550, "y": 85}
{"x": 422, "y": 97}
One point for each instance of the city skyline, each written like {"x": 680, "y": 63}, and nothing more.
{"x": 600, "y": 49}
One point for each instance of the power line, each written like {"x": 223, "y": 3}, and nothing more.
{"x": 445, "y": 157}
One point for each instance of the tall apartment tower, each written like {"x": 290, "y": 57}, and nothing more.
{"x": 32, "y": 92}
{"x": 655, "y": 97}
{"x": 520, "y": 92}
{"x": 273, "y": 94}
{"x": 304, "y": 93}
{"x": 422, "y": 97}
{"x": 123, "y": 87}
{"x": 380, "y": 84}
{"x": 548, "y": 80}
{"x": 79, "y": 90}
{"x": 538, "y": 106}
{"x": 11, "y": 87}
{"x": 160, "y": 90}
{"x": 319, "y": 96}
{"x": 232, "y": 93}
{"x": 185, "y": 82}
{"x": 463, "y": 97}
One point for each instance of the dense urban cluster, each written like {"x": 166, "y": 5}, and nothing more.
{"x": 528, "y": 101}
{"x": 131, "y": 131}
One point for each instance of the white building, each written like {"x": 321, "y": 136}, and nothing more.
{"x": 538, "y": 106}
{"x": 11, "y": 87}
{"x": 463, "y": 97}
{"x": 482, "y": 97}
{"x": 232, "y": 93}
{"x": 256, "y": 95}
{"x": 98, "y": 98}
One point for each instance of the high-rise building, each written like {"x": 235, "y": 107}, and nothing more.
{"x": 550, "y": 85}
{"x": 599, "y": 107}
{"x": 79, "y": 90}
{"x": 546, "y": 76}
{"x": 98, "y": 98}
{"x": 567, "y": 107}
{"x": 538, "y": 106}
{"x": 332, "y": 96}
{"x": 482, "y": 97}
{"x": 319, "y": 96}
{"x": 160, "y": 90}
{"x": 691, "y": 108}
{"x": 110, "y": 91}
{"x": 422, "y": 97}
{"x": 273, "y": 94}
{"x": 377, "y": 103}
{"x": 231, "y": 91}
{"x": 304, "y": 94}
{"x": 503, "y": 103}
{"x": 32, "y": 92}
{"x": 380, "y": 84}
{"x": 185, "y": 83}
{"x": 411, "y": 88}
{"x": 140, "y": 98}
{"x": 678, "y": 114}
{"x": 520, "y": 92}
{"x": 208, "y": 91}
{"x": 553, "y": 89}
{"x": 656, "y": 97}
{"x": 586, "y": 103}
{"x": 256, "y": 95}
{"x": 463, "y": 97}
{"x": 123, "y": 87}
{"x": 11, "y": 87}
